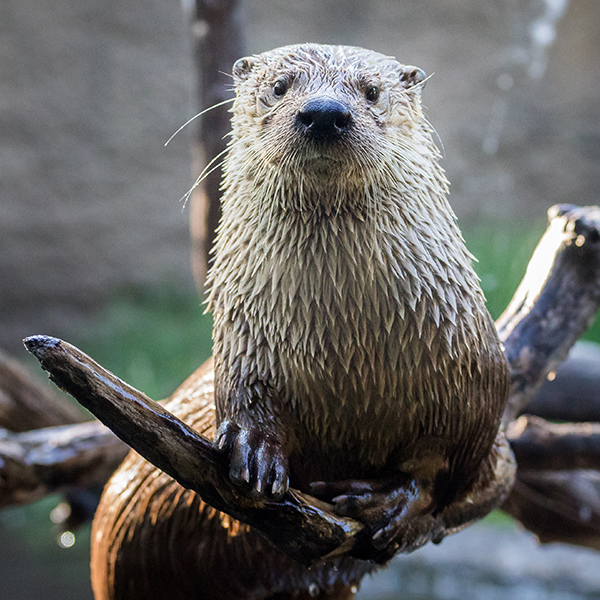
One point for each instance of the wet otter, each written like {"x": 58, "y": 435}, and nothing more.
{"x": 354, "y": 357}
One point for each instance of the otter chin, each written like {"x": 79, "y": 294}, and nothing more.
{"x": 354, "y": 357}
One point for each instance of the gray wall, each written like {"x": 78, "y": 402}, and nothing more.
{"x": 90, "y": 90}
{"x": 89, "y": 197}
{"x": 518, "y": 114}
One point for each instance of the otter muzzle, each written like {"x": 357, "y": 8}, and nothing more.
{"x": 324, "y": 118}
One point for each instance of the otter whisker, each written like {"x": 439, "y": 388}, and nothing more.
{"x": 202, "y": 112}
{"x": 437, "y": 136}
{"x": 203, "y": 175}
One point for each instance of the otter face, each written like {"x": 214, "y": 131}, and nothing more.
{"x": 323, "y": 95}
{"x": 320, "y": 116}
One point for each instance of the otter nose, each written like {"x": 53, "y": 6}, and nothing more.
{"x": 324, "y": 117}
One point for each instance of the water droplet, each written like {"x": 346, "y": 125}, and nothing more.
{"x": 67, "y": 539}
{"x": 505, "y": 81}
{"x": 60, "y": 513}
{"x": 313, "y": 590}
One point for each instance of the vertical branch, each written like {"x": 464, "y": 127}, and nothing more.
{"x": 555, "y": 302}
{"x": 218, "y": 43}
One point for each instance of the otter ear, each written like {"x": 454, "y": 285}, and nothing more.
{"x": 412, "y": 77}
{"x": 241, "y": 69}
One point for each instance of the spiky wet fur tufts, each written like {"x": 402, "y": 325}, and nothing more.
{"x": 340, "y": 279}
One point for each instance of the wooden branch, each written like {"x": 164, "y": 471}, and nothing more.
{"x": 542, "y": 446}
{"x": 574, "y": 393}
{"x": 536, "y": 331}
{"x": 555, "y": 302}
{"x": 43, "y": 461}
{"x": 304, "y": 528}
{"x": 26, "y": 404}
{"x": 219, "y": 42}
{"x": 301, "y": 526}
{"x": 561, "y": 506}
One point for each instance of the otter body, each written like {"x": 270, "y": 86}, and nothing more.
{"x": 348, "y": 318}
{"x": 354, "y": 357}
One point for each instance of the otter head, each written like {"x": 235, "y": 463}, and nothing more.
{"x": 324, "y": 121}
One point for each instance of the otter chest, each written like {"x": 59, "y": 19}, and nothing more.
{"x": 359, "y": 330}
{"x": 350, "y": 326}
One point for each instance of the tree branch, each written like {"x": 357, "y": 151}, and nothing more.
{"x": 218, "y": 43}
{"x": 542, "y": 446}
{"x": 556, "y": 494}
{"x": 53, "y": 456}
{"x": 559, "y": 506}
{"x": 573, "y": 394}
{"x": 43, "y": 461}
{"x": 26, "y": 404}
{"x": 555, "y": 302}
{"x": 301, "y": 527}
{"x": 536, "y": 331}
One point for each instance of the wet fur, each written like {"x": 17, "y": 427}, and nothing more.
{"x": 344, "y": 298}
{"x": 341, "y": 282}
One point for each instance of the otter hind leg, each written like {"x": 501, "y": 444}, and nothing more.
{"x": 153, "y": 539}
{"x": 400, "y": 512}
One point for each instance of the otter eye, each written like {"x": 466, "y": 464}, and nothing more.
{"x": 280, "y": 87}
{"x": 372, "y": 93}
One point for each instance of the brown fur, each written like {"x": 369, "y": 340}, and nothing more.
{"x": 349, "y": 326}
{"x": 349, "y": 292}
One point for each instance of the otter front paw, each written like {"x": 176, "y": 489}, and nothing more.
{"x": 257, "y": 461}
{"x": 396, "y": 511}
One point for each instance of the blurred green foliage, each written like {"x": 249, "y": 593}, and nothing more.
{"x": 152, "y": 339}
{"x": 503, "y": 250}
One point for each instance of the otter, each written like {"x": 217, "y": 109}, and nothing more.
{"x": 354, "y": 357}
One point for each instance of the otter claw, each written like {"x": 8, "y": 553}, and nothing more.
{"x": 396, "y": 510}
{"x": 382, "y": 538}
{"x": 257, "y": 462}
{"x": 224, "y": 436}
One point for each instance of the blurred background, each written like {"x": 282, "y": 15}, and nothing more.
{"x": 94, "y": 242}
